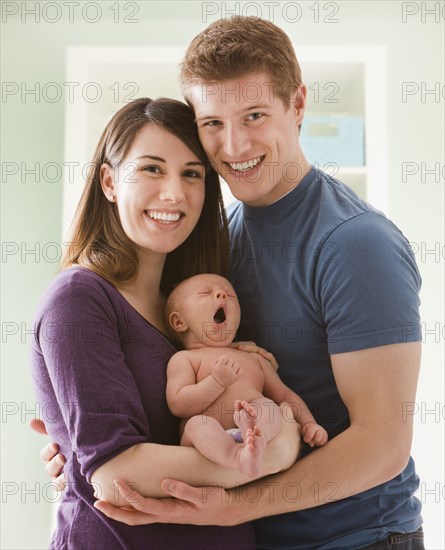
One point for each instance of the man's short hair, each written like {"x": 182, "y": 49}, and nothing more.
{"x": 232, "y": 48}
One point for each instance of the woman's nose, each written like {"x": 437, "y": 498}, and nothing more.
{"x": 172, "y": 190}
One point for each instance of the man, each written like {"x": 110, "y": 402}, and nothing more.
{"x": 324, "y": 285}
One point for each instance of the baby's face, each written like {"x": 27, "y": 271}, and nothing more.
{"x": 209, "y": 306}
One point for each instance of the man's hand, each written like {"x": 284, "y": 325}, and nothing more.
{"x": 207, "y": 505}
{"x": 38, "y": 426}
{"x": 251, "y": 347}
{"x": 50, "y": 456}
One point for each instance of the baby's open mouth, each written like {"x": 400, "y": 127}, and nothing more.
{"x": 220, "y": 316}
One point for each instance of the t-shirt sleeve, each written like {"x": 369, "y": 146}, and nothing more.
{"x": 367, "y": 284}
{"x": 79, "y": 334}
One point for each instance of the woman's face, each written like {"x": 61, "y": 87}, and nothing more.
{"x": 159, "y": 190}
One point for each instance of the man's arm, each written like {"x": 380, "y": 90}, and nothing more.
{"x": 374, "y": 384}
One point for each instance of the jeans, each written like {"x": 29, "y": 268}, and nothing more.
{"x": 399, "y": 541}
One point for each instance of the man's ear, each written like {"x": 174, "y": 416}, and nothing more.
{"x": 298, "y": 102}
{"x": 177, "y": 324}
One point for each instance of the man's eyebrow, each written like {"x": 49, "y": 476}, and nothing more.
{"x": 159, "y": 159}
{"x": 259, "y": 106}
{"x": 210, "y": 117}
{"x": 251, "y": 108}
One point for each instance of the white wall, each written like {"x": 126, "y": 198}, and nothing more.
{"x": 33, "y": 129}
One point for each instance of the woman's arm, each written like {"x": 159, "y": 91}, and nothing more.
{"x": 83, "y": 377}
{"x": 146, "y": 465}
{"x": 374, "y": 383}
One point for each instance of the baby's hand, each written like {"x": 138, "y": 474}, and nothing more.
{"x": 314, "y": 434}
{"x": 225, "y": 371}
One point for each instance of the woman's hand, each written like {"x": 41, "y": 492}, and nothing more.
{"x": 53, "y": 461}
{"x": 251, "y": 347}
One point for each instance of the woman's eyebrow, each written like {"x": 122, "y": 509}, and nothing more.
{"x": 151, "y": 157}
{"x": 159, "y": 159}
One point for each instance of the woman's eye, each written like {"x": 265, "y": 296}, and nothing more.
{"x": 152, "y": 169}
{"x": 192, "y": 174}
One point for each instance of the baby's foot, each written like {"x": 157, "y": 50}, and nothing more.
{"x": 250, "y": 456}
{"x": 245, "y": 416}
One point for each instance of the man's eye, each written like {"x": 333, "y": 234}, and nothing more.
{"x": 213, "y": 123}
{"x": 254, "y": 116}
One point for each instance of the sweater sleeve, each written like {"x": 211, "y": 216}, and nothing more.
{"x": 79, "y": 332}
{"x": 368, "y": 286}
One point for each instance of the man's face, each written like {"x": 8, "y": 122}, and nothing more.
{"x": 250, "y": 135}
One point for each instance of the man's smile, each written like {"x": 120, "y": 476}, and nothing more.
{"x": 245, "y": 165}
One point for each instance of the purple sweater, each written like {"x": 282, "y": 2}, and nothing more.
{"x": 99, "y": 373}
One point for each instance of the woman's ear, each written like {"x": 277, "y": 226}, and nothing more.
{"x": 107, "y": 182}
{"x": 176, "y": 323}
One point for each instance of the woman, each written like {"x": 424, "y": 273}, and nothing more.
{"x": 151, "y": 215}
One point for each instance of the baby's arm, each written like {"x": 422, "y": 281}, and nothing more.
{"x": 185, "y": 396}
{"x": 313, "y": 434}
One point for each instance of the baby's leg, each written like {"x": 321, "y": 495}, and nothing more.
{"x": 212, "y": 441}
{"x": 261, "y": 412}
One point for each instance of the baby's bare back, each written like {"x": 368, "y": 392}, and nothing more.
{"x": 247, "y": 387}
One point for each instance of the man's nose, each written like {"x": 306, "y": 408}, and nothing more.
{"x": 172, "y": 189}
{"x": 236, "y": 142}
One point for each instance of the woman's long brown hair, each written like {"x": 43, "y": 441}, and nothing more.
{"x": 97, "y": 239}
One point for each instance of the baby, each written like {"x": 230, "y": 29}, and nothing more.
{"x": 217, "y": 387}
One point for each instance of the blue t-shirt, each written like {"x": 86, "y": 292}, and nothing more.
{"x": 321, "y": 272}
